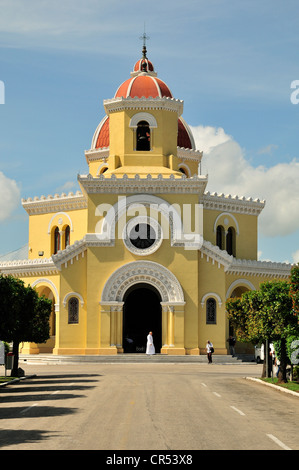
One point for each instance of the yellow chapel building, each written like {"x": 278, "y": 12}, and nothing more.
{"x": 144, "y": 246}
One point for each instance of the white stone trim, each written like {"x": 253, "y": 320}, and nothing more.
{"x": 29, "y": 267}
{"x": 101, "y": 166}
{"x": 129, "y": 87}
{"x": 154, "y": 225}
{"x": 227, "y": 214}
{"x": 57, "y": 214}
{"x": 165, "y": 103}
{"x": 239, "y": 283}
{"x": 244, "y": 267}
{"x": 259, "y": 268}
{"x": 185, "y": 167}
{"x": 147, "y": 272}
{"x": 73, "y": 294}
{"x": 211, "y": 294}
{"x": 228, "y": 203}
{"x": 97, "y": 154}
{"x": 143, "y": 117}
{"x": 189, "y": 154}
{"x": 124, "y": 184}
{"x": 56, "y": 203}
{"x": 49, "y": 284}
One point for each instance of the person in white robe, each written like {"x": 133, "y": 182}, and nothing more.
{"x": 150, "y": 348}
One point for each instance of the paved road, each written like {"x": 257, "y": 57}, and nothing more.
{"x": 146, "y": 407}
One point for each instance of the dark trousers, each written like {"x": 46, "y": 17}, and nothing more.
{"x": 209, "y": 357}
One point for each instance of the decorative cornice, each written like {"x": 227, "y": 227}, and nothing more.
{"x": 231, "y": 265}
{"x": 147, "y": 184}
{"x": 220, "y": 257}
{"x": 165, "y": 103}
{"x": 241, "y": 205}
{"x": 55, "y": 203}
{"x": 189, "y": 154}
{"x": 259, "y": 268}
{"x": 242, "y": 266}
{"x": 28, "y": 267}
{"x": 97, "y": 154}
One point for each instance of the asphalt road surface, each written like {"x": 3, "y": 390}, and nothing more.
{"x": 146, "y": 407}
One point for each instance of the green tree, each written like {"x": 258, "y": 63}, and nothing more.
{"x": 294, "y": 289}
{"x": 266, "y": 314}
{"x": 24, "y": 316}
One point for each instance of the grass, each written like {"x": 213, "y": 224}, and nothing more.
{"x": 294, "y": 386}
{"x": 6, "y": 379}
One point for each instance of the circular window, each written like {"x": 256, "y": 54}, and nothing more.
{"x": 142, "y": 235}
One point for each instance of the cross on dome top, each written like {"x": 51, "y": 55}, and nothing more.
{"x": 144, "y": 37}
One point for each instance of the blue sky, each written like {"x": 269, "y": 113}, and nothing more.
{"x": 232, "y": 62}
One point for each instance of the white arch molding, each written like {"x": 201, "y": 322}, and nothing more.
{"x": 227, "y": 214}
{"x": 143, "y": 117}
{"x": 55, "y": 215}
{"x": 186, "y": 169}
{"x": 52, "y": 286}
{"x": 73, "y": 294}
{"x": 147, "y": 272}
{"x": 239, "y": 283}
{"x": 211, "y": 294}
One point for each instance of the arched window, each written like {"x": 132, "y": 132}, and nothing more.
{"x": 220, "y": 237}
{"x": 73, "y": 310}
{"x": 211, "y": 311}
{"x": 56, "y": 240}
{"x": 143, "y": 136}
{"x": 231, "y": 241}
{"x": 67, "y": 235}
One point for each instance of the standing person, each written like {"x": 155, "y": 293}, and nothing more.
{"x": 150, "y": 348}
{"x": 231, "y": 341}
{"x": 210, "y": 350}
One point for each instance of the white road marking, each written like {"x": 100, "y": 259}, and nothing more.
{"x": 217, "y": 394}
{"x": 278, "y": 442}
{"x": 29, "y": 408}
{"x": 204, "y": 385}
{"x": 238, "y": 411}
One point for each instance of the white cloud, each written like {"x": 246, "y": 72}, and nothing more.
{"x": 268, "y": 149}
{"x": 9, "y": 196}
{"x": 296, "y": 256}
{"x": 229, "y": 172}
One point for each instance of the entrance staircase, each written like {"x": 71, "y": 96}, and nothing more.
{"x": 133, "y": 358}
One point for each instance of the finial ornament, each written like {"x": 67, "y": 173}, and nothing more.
{"x": 144, "y": 37}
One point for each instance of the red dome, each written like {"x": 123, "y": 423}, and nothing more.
{"x": 102, "y": 141}
{"x": 184, "y": 139}
{"x": 143, "y": 65}
{"x": 103, "y": 135}
{"x": 145, "y": 86}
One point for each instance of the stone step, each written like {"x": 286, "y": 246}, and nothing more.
{"x": 132, "y": 358}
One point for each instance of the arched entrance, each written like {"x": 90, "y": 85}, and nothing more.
{"x": 235, "y": 290}
{"x": 142, "y": 313}
{"x": 161, "y": 287}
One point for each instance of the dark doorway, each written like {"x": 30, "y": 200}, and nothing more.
{"x": 142, "y": 314}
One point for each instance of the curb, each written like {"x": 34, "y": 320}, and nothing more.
{"x": 275, "y": 387}
{"x": 3, "y": 384}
